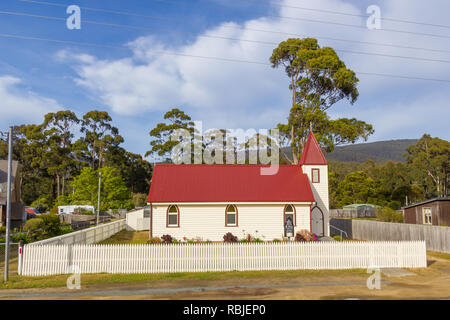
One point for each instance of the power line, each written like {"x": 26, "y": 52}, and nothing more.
{"x": 219, "y": 37}
{"x": 159, "y": 52}
{"x": 337, "y": 13}
{"x": 321, "y": 21}
{"x": 240, "y": 28}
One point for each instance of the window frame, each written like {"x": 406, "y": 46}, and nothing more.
{"x": 312, "y": 175}
{"x": 226, "y": 216}
{"x": 172, "y": 213}
{"x": 294, "y": 213}
{"x": 424, "y": 215}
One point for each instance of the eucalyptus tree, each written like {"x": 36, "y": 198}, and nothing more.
{"x": 318, "y": 79}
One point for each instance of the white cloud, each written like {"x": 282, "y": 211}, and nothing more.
{"x": 231, "y": 95}
{"x": 19, "y": 105}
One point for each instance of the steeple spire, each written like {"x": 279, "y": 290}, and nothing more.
{"x": 312, "y": 155}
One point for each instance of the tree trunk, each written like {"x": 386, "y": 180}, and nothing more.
{"x": 63, "y": 184}
{"x": 57, "y": 185}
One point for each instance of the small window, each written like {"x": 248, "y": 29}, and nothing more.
{"x": 315, "y": 175}
{"x": 426, "y": 215}
{"x": 173, "y": 219}
{"x": 147, "y": 213}
{"x": 231, "y": 218}
{"x": 289, "y": 212}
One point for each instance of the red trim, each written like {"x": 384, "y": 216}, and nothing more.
{"x": 295, "y": 214}
{"x": 167, "y": 216}
{"x": 226, "y": 212}
{"x": 323, "y": 219}
{"x": 312, "y": 175}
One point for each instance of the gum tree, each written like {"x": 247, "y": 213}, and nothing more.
{"x": 318, "y": 79}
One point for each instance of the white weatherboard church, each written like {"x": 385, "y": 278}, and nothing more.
{"x": 208, "y": 201}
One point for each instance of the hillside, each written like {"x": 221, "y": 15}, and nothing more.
{"x": 379, "y": 151}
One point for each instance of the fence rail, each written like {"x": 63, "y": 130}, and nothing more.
{"x": 437, "y": 238}
{"x": 85, "y": 236}
{"x": 61, "y": 259}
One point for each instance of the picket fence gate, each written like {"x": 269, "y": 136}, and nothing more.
{"x": 168, "y": 258}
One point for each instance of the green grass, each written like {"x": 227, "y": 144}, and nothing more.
{"x": 127, "y": 237}
{"x": 441, "y": 255}
{"x": 18, "y": 282}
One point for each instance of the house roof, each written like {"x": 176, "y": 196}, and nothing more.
{"x": 228, "y": 183}
{"x": 427, "y": 201}
{"x": 312, "y": 155}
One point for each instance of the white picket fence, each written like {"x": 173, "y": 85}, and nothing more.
{"x": 160, "y": 258}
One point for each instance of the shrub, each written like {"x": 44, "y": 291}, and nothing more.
{"x": 52, "y": 224}
{"x": 305, "y": 235}
{"x": 42, "y": 204}
{"x": 276, "y": 240}
{"x": 34, "y": 224}
{"x": 154, "y": 241}
{"x": 2, "y": 229}
{"x": 167, "y": 238}
{"x": 257, "y": 240}
{"x": 389, "y": 215}
{"x": 229, "y": 237}
{"x": 243, "y": 240}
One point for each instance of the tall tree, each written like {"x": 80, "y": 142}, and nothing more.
{"x": 318, "y": 79}
{"x": 58, "y": 128}
{"x": 432, "y": 157}
{"x": 99, "y": 136}
{"x": 162, "y": 144}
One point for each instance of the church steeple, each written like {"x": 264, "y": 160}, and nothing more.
{"x": 312, "y": 155}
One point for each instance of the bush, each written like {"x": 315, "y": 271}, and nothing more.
{"x": 167, "y": 238}
{"x": 229, "y": 237}
{"x": 276, "y": 241}
{"x": 154, "y": 241}
{"x": 257, "y": 240}
{"x": 139, "y": 199}
{"x": 42, "y": 204}
{"x": 34, "y": 224}
{"x": 305, "y": 235}
{"x": 389, "y": 215}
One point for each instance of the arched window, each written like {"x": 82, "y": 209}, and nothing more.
{"x": 173, "y": 217}
{"x": 289, "y": 212}
{"x": 231, "y": 216}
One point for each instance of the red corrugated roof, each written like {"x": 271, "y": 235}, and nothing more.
{"x": 228, "y": 183}
{"x": 311, "y": 153}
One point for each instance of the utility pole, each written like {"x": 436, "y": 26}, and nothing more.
{"x": 98, "y": 200}
{"x": 8, "y": 205}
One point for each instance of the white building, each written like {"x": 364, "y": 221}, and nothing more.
{"x": 208, "y": 201}
{"x": 72, "y": 209}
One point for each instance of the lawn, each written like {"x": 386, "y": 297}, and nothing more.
{"x": 127, "y": 237}
{"x": 87, "y": 280}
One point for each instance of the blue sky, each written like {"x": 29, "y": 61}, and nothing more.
{"x": 136, "y": 83}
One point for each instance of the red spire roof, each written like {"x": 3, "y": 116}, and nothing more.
{"x": 312, "y": 155}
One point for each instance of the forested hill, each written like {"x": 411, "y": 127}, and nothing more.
{"x": 380, "y": 151}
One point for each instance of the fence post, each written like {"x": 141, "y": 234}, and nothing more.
{"x": 20, "y": 258}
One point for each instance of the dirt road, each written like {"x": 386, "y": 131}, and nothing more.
{"x": 430, "y": 283}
